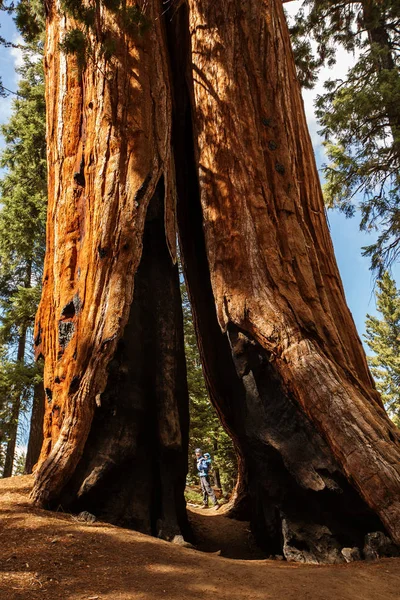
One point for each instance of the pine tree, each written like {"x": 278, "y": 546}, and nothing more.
{"x": 383, "y": 338}
{"x": 359, "y": 115}
{"x": 19, "y": 464}
{"x": 22, "y": 242}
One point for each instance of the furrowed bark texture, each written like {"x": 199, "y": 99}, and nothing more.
{"x": 109, "y": 147}
{"x": 312, "y": 419}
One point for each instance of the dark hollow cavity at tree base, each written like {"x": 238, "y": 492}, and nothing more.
{"x": 134, "y": 465}
{"x": 301, "y": 501}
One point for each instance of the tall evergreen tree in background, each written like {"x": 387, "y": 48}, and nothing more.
{"x": 360, "y": 115}
{"x": 22, "y": 243}
{"x": 383, "y": 338}
{"x": 206, "y": 430}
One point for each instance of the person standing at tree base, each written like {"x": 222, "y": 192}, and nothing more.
{"x": 203, "y": 467}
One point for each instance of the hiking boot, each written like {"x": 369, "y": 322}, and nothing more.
{"x": 217, "y": 506}
{"x": 205, "y": 506}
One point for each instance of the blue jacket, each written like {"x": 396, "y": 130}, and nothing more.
{"x": 203, "y": 466}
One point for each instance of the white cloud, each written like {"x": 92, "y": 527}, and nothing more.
{"x": 344, "y": 61}
{"x": 11, "y": 81}
{"x": 17, "y": 56}
{"x": 5, "y": 110}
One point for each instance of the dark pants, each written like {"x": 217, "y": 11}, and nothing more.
{"x": 207, "y": 490}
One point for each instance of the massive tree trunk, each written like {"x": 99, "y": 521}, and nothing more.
{"x": 109, "y": 157}
{"x": 314, "y": 433}
{"x": 214, "y": 85}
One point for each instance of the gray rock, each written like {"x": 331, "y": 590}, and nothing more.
{"x": 180, "y": 541}
{"x": 86, "y": 516}
{"x": 378, "y": 545}
{"x": 310, "y": 543}
{"x": 351, "y": 554}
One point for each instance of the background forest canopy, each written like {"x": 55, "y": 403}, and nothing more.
{"x": 359, "y": 117}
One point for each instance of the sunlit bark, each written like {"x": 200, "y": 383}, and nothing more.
{"x": 275, "y": 282}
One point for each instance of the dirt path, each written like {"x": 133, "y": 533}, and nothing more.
{"x": 51, "y": 556}
{"x": 215, "y": 532}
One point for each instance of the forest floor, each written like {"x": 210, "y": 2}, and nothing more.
{"x": 52, "y": 556}
{"x": 216, "y": 533}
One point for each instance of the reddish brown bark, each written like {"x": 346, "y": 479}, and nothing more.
{"x": 274, "y": 278}
{"x": 109, "y": 146}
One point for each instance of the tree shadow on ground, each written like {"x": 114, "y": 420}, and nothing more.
{"x": 215, "y": 532}
{"x": 52, "y": 556}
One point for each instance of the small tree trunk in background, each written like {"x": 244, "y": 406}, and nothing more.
{"x": 36, "y": 429}
{"x": 13, "y": 427}
{"x": 217, "y": 478}
{"x": 374, "y": 23}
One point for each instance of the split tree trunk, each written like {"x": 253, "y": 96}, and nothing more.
{"x": 318, "y": 457}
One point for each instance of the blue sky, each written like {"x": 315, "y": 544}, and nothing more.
{"x": 9, "y": 59}
{"x": 347, "y": 239}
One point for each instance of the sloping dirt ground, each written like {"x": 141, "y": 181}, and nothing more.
{"x": 218, "y": 534}
{"x": 52, "y": 556}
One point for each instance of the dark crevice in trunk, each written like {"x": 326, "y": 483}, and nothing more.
{"x": 134, "y": 465}
{"x": 225, "y": 389}
{"x": 292, "y": 489}
{"x": 213, "y": 344}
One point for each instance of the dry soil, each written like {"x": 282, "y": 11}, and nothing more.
{"x": 52, "y": 556}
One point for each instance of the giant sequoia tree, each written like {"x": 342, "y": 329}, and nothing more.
{"x": 193, "y": 121}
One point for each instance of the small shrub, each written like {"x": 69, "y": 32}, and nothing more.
{"x": 193, "y": 495}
